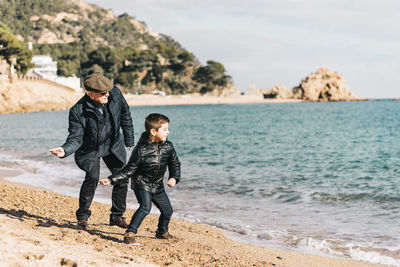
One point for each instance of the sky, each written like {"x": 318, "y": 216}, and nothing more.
{"x": 266, "y": 42}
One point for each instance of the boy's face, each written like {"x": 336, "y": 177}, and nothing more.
{"x": 162, "y": 133}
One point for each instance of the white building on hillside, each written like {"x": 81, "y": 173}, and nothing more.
{"x": 46, "y": 68}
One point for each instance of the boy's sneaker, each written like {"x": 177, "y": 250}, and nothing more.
{"x": 120, "y": 222}
{"x": 129, "y": 238}
{"x": 164, "y": 235}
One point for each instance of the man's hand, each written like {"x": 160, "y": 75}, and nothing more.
{"x": 171, "y": 182}
{"x": 105, "y": 182}
{"x": 58, "y": 151}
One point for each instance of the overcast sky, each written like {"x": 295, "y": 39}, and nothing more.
{"x": 266, "y": 42}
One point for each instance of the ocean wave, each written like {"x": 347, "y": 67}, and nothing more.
{"x": 373, "y": 256}
{"x": 314, "y": 245}
{"x": 364, "y": 199}
{"x": 342, "y": 197}
{"x": 55, "y": 175}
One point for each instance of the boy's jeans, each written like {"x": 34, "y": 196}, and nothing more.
{"x": 161, "y": 201}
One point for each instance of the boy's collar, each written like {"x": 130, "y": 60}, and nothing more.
{"x": 145, "y": 137}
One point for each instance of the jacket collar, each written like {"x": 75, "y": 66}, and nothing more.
{"x": 144, "y": 139}
{"x": 92, "y": 105}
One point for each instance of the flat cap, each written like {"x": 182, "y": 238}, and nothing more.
{"x": 97, "y": 83}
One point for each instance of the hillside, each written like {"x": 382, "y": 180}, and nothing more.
{"x": 83, "y": 37}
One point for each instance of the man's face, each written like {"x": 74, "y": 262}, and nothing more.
{"x": 162, "y": 133}
{"x": 101, "y": 98}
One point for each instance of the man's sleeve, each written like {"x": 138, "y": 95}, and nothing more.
{"x": 75, "y": 136}
{"x": 126, "y": 123}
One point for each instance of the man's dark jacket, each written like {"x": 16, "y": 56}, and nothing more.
{"x": 84, "y": 130}
{"x": 148, "y": 164}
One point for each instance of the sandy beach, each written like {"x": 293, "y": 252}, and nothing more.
{"x": 38, "y": 228}
{"x": 158, "y": 100}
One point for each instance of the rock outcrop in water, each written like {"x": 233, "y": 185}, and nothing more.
{"x": 278, "y": 92}
{"x": 225, "y": 92}
{"x": 323, "y": 85}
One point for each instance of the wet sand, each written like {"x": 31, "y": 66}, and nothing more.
{"x": 38, "y": 228}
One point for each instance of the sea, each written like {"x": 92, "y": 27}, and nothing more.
{"x": 316, "y": 178}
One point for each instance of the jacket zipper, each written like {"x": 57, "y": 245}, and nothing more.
{"x": 159, "y": 156}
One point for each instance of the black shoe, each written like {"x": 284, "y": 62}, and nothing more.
{"x": 129, "y": 238}
{"x": 83, "y": 224}
{"x": 164, "y": 236}
{"x": 120, "y": 222}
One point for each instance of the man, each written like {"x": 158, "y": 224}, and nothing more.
{"x": 94, "y": 133}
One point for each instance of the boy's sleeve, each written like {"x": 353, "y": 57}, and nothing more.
{"x": 174, "y": 166}
{"x": 129, "y": 169}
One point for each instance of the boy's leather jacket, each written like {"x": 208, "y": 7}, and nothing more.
{"x": 148, "y": 164}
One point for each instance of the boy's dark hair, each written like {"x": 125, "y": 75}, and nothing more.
{"x": 154, "y": 121}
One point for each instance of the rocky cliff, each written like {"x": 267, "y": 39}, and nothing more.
{"x": 27, "y": 95}
{"x": 323, "y": 85}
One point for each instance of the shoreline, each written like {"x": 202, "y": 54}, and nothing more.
{"x": 33, "y": 220}
{"x": 47, "y": 104}
{"x": 174, "y": 100}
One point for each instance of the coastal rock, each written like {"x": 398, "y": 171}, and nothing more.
{"x": 252, "y": 90}
{"x": 323, "y": 85}
{"x": 225, "y": 92}
{"x": 278, "y": 92}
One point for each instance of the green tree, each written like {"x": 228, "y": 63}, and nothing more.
{"x": 185, "y": 56}
{"x": 176, "y": 67}
{"x": 11, "y": 47}
{"x": 211, "y": 76}
{"x": 127, "y": 79}
{"x": 108, "y": 58}
{"x": 68, "y": 56}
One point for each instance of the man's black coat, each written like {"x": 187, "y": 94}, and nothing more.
{"x": 84, "y": 129}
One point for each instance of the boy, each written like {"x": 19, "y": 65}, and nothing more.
{"x": 146, "y": 168}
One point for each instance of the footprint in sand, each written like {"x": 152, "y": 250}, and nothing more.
{"x": 67, "y": 262}
{"x": 33, "y": 257}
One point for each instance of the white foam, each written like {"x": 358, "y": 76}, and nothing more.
{"x": 56, "y": 175}
{"x": 323, "y": 246}
{"x": 372, "y": 256}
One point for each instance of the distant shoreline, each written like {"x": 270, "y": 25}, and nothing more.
{"x": 172, "y": 100}
{"x": 46, "y": 103}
